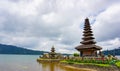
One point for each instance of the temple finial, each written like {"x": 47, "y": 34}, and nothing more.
{"x": 87, "y": 18}
{"x": 87, "y": 21}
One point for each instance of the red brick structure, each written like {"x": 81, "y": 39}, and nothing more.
{"x": 88, "y": 47}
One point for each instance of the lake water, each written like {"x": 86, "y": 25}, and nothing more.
{"x": 28, "y": 63}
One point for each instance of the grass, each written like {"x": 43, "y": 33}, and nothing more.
{"x": 103, "y": 65}
{"x": 96, "y": 63}
{"x": 117, "y": 64}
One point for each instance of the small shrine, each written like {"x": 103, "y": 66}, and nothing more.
{"x": 88, "y": 47}
{"x": 52, "y": 55}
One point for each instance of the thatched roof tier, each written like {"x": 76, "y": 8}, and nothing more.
{"x": 87, "y": 31}
{"x": 88, "y": 37}
{"x": 88, "y": 42}
{"x": 88, "y": 34}
{"x": 82, "y": 47}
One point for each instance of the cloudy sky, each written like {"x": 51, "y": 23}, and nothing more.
{"x": 39, "y": 24}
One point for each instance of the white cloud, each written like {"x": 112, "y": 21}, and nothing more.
{"x": 39, "y": 24}
{"x": 22, "y": 7}
{"x": 110, "y": 44}
{"x": 107, "y": 23}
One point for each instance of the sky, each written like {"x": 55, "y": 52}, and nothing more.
{"x": 40, "y": 24}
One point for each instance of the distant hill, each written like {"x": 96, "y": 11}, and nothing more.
{"x": 112, "y": 52}
{"x": 10, "y": 49}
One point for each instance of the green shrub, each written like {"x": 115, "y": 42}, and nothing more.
{"x": 76, "y": 55}
{"x": 117, "y": 64}
{"x": 70, "y": 63}
{"x": 93, "y": 61}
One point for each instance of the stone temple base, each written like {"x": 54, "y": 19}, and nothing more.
{"x": 48, "y": 60}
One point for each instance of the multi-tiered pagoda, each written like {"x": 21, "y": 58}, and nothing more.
{"x": 88, "y": 47}
{"x": 52, "y": 53}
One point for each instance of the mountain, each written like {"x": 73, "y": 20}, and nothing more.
{"x": 10, "y": 49}
{"x": 112, "y": 52}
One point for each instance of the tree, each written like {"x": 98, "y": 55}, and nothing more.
{"x": 76, "y": 54}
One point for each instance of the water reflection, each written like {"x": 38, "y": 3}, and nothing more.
{"x": 57, "y": 67}
{"x": 51, "y": 67}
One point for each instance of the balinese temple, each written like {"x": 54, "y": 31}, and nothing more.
{"x": 88, "y": 47}
{"x": 53, "y": 49}
{"x": 52, "y": 53}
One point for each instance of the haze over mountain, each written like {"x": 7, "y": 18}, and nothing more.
{"x": 10, "y": 49}
{"x": 115, "y": 51}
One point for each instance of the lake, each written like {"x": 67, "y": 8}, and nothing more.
{"x": 28, "y": 63}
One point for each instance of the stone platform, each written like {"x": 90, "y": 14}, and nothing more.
{"x": 48, "y": 60}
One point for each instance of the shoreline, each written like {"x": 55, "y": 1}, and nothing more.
{"x": 81, "y": 66}
{"x": 56, "y": 61}
{"x": 77, "y": 68}
{"x": 48, "y": 60}
{"x": 91, "y": 67}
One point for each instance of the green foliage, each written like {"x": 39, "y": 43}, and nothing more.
{"x": 103, "y": 65}
{"x": 92, "y": 61}
{"x": 110, "y": 57}
{"x": 112, "y": 62}
{"x": 85, "y": 62}
{"x": 63, "y": 61}
{"x": 117, "y": 63}
{"x": 76, "y": 54}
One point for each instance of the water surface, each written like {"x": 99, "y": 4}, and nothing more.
{"x": 28, "y": 63}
